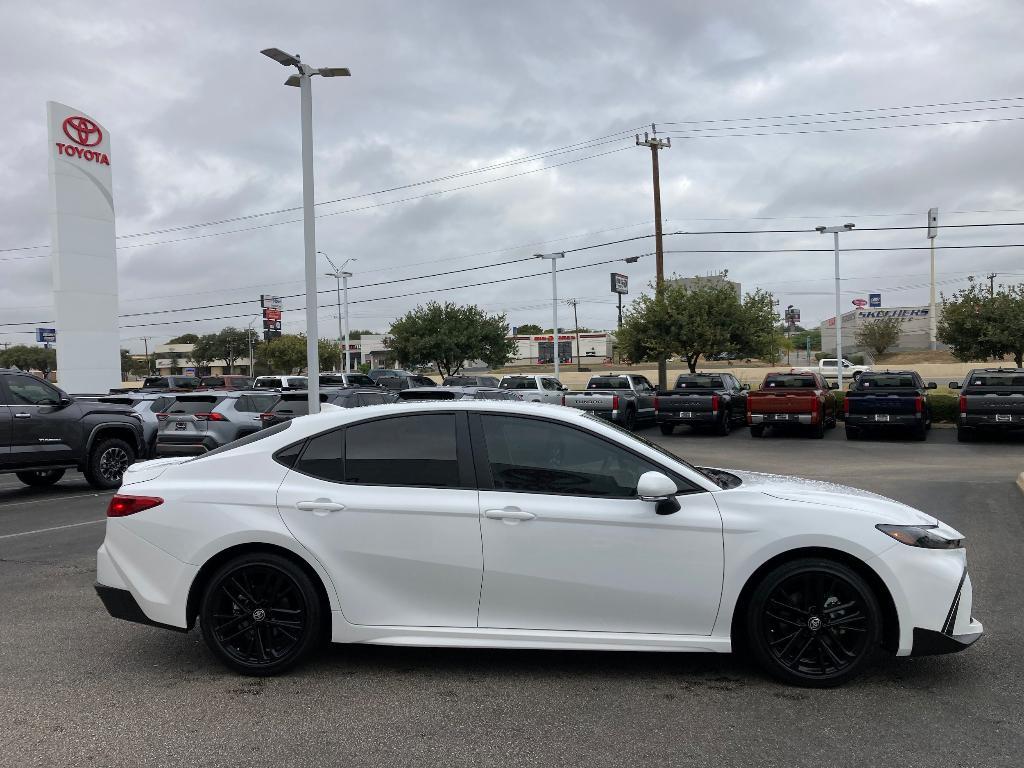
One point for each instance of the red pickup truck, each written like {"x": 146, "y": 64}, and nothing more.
{"x": 792, "y": 400}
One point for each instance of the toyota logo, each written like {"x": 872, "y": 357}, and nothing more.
{"x": 82, "y": 130}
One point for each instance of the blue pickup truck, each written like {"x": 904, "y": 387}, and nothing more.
{"x": 886, "y": 400}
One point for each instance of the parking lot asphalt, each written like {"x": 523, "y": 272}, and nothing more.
{"x": 77, "y": 687}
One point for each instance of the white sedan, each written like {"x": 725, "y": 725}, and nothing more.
{"x": 516, "y": 525}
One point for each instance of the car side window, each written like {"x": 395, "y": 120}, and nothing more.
{"x": 537, "y": 456}
{"x": 322, "y": 457}
{"x": 415, "y": 450}
{"x": 26, "y": 390}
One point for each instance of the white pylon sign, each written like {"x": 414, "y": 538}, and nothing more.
{"x": 83, "y": 256}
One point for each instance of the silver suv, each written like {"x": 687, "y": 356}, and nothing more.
{"x": 195, "y": 424}
{"x": 147, "y": 405}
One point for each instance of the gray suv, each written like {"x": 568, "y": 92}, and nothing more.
{"x": 195, "y": 424}
{"x": 147, "y": 405}
{"x": 295, "y": 404}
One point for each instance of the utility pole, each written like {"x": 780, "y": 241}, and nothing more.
{"x": 933, "y": 231}
{"x": 839, "y": 310}
{"x": 656, "y": 144}
{"x": 576, "y": 322}
{"x": 554, "y": 300}
{"x": 249, "y": 332}
{"x": 992, "y": 283}
{"x": 145, "y": 344}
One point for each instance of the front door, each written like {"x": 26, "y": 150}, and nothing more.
{"x": 389, "y": 507}
{"x": 569, "y": 546}
{"x": 42, "y": 428}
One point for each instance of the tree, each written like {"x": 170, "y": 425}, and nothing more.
{"x": 701, "y": 321}
{"x": 187, "y": 338}
{"x": 447, "y": 335}
{"x": 229, "y": 345}
{"x": 142, "y": 366}
{"x": 285, "y": 354}
{"x": 879, "y": 334}
{"x": 327, "y": 352}
{"x": 977, "y": 324}
{"x": 529, "y": 329}
{"x": 126, "y": 363}
{"x": 29, "y": 358}
{"x": 204, "y": 350}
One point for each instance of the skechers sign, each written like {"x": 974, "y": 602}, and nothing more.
{"x": 85, "y": 133}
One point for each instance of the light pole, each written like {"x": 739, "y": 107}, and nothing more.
{"x": 341, "y": 278}
{"x": 248, "y": 335}
{"x": 933, "y": 231}
{"x": 839, "y": 310}
{"x": 304, "y": 81}
{"x": 554, "y": 300}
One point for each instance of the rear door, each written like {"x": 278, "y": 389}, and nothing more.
{"x": 389, "y": 506}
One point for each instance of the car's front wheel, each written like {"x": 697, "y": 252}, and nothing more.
{"x": 813, "y": 622}
{"x": 261, "y": 614}
{"x": 41, "y": 477}
{"x": 107, "y": 462}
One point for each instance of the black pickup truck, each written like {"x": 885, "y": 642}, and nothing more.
{"x": 885, "y": 400}
{"x": 713, "y": 400}
{"x": 991, "y": 399}
{"x": 45, "y": 432}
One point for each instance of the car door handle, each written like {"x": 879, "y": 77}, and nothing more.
{"x": 510, "y": 514}
{"x": 319, "y": 505}
{"x": 23, "y": 415}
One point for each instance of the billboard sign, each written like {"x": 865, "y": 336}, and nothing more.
{"x": 273, "y": 302}
{"x": 860, "y": 302}
{"x": 46, "y": 335}
{"x": 874, "y": 300}
{"x": 620, "y": 283}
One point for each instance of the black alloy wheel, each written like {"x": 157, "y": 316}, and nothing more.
{"x": 630, "y": 418}
{"x": 813, "y": 622}
{"x": 40, "y": 478}
{"x": 107, "y": 462}
{"x": 725, "y": 425}
{"x": 261, "y": 614}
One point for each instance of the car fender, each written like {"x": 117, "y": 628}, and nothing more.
{"x": 96, "y": 429}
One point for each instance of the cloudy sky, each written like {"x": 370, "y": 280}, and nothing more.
{"x": 782, "y": 115}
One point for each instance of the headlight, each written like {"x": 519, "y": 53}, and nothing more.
{"x": 926, "y": 536}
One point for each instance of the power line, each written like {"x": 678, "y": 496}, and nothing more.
{"x": 847, "y": 130}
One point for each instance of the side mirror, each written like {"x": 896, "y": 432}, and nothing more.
{"x": 659, "y": 488}
{"x": 833, "y": 385}
{"x": 65, "y": 399}
{"x": 931, "y": 385}
{"x": 745, "y": 387}
{"x": 954, "y": 385}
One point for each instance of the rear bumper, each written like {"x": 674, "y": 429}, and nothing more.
{"x": 696, "y": 417}
{"x": 990, "y": 422}
{"x": 894, "y": 420}
{"x": 772, "y": 418}
{"x": 121, "y": 604}
{"x": 190, "y": 445}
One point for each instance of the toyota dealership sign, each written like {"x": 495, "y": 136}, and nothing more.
{"x": 85, "y": 134}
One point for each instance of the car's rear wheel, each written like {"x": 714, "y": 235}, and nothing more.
{"x": 41, "y": 477}
{"x": 813, "y": 622}
{"x": 920, "y": 432}
{"x": 630, "y": 420}
{"x": 818, "y": 430}
{"x": 725, "y": 425}
{"x": 666, "y": 429}
{"x": 260, "y": 614}
{"x": 107, "y": 462}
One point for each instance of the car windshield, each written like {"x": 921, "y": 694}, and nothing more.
{"x": 699, "y": 382}
{"x": 778, "y": 381}
{"x": 518, "y": 383}
{"x": 608, "y": 382}
{"x": 1005, "y": 379}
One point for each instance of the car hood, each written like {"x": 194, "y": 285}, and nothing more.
{"x": 830, "y": 495}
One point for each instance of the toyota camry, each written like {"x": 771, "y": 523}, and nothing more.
{"x": 521, "y": 525}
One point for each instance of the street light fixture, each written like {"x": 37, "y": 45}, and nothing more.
{"x": 304, "y": 80}
{"x": 341, "y": 278}
{"x": 554, "y": 301}
{"x": 839, "y": 310}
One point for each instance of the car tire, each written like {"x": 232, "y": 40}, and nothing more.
{"x": 41, "y": 478}
{"x": 920, "y": 432}
{"x": 261, "y": 614}
{"x": 818, "y": 430}
{"x": 629, "y": 421}
{"x": 667, "y": 429}
{"x": 813, "y": 622}
{"x": 965, "y": 434}
{"x": 757, "y": 430}
{"x": 724, "y": 427}
{"x": 107, "y": 462}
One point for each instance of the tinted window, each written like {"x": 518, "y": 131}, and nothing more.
{"x": 251, "y": 438}
{"x": 26, "y": 389}
{"x": 699, "y": 382}
{"x": 255, "y": 403}
{"x": 790, "y": 382}
{"x": 155, "y": 382}
{"x": 322, "y": 457}
{"x": 212, "y": 381}
{"x": 371, "y": 398}
{"x": 160, "y": 404}
{"x": 194, "y": 404}
{"x": 410, "y": 450}
{"x": 360, "y": 380}
{"x": 518, "y": 384}
{"x": 291, "y": 407}
{"x": 538, "y": 456}
{"x": 996, "y": 380}
{"x": 608, "y": 382}
{"x": 869, "y": 381}
{"x": 266, "y": 383}
{"x": 550, "y": 384}
{"x": 287, "y": 456}
{"x": 459, "y": 381}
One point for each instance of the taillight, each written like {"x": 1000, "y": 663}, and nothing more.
{"x": 846, "y": 406}
{"x": 919, "y": 404}
{"x": 814, "y": 416}
{"x": 210, "y": 417}
{"x": 963, "y": 404}
{"x": 714, "y": 403}
{"x": 161, "y": 417}
{"x": 122, "y": 506}
{"x": 266, "y": 416}
{"x": 615, "y": 402}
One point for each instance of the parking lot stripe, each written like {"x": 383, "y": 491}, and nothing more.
{"x": 52, "y": 498}
{"x": 54, "y": 528}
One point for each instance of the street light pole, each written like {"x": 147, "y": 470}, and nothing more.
{"x": 248, "y": 334}
{"x": 839, "y": 310}
{"x": 304, "y": 81}
{"x": 554, "y": 301}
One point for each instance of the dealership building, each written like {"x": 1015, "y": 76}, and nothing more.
{"x": 914, "y": 326}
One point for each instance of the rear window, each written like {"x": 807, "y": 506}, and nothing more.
{"x": 459, "y": 381}
{"x": 608, "y": 382}
{"x": 360, "y": 380}
{"x": 291, "y": 406}
{"x": 699, "y": 382}
{"x": 271, "y": 382}
{"x": 996, "y": 380}
{"x": 250, "y": 438}
{"x": 255, "y": 403}
{"x": 155, "y": 381}
{"x": 194, "y": 404}
{"x": 869, "y": 381}
{"x": 790, "y": 382}
{"x": 431, "y": 394}
{"x": 159, "y": 405}
{"x": 211, "y": 381}
{"x": 518, "y": 384}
